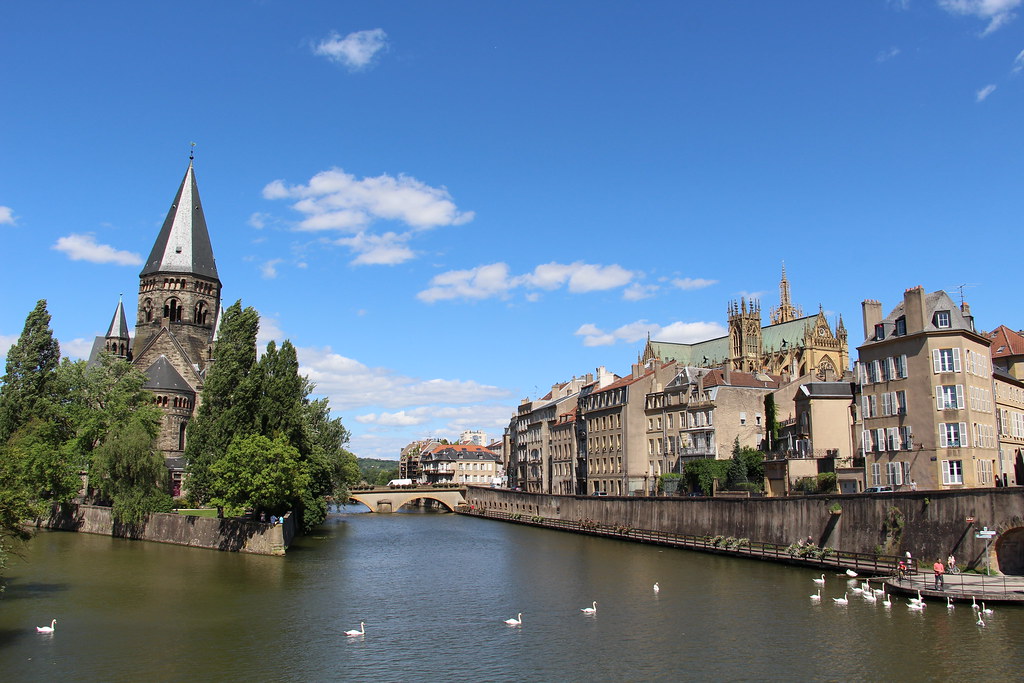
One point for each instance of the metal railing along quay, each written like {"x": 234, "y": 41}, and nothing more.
{"x": 862, "y": 563}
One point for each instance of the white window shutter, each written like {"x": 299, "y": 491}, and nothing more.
{"x": 939, "y": 401}
{"x": 960, "y": 396}
{"x": 943, "y": 442}
{"x": 865, "y": 407}
{"x": 935, "y": 360}
{"x": 956, "y": 360}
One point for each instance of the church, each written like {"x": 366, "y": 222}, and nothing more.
{"x": 792, "y": 345}
{"x": 178, "y": 311}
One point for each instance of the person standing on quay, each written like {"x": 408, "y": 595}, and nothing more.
{"x": 939, "y": 571}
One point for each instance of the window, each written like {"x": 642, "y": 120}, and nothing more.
{"x": 952, "y": 434}
{"x": 984, "y": 472}
{"x": 894, "y": 473}
{"x": 946, "y": 360}
{"x": 892, "y": 438}
{"x": 942, "y": 319}
{"x": 865, "y": 441}
{"x": 901, "y": 326}
{"x": 871, "y": 370}
{"x": 876, "y": 474}
{"x": 952, "y": 472}
{"x": 885, "y": 369}
{"x": 757, "y": 419}
{"x": 949, "y": 397}
{"x": 901, "y": 366}
{"x": 743, "y": 418}
{"x": 879, "y": 331}
{"x": 900, "y": 403}
{"x": 906, "y": 437}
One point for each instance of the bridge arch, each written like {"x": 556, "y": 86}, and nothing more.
{"x": 391, "y": 500}
{"x": 1009, "y": 551}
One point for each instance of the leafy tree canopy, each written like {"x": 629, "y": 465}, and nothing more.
{"x": 28, "y": 383}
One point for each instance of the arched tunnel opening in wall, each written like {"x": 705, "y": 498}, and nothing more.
{"x": 1010, "y": 551}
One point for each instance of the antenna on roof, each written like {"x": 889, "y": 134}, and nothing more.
{"x": 960, "y": 288}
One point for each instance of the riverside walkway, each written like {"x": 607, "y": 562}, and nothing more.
{"x": 809, "y": 556}
{"x": 962, "y": 587}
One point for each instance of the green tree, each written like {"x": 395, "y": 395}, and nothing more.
{"x": 771, "y": 435}
{"x": 130, "y": 473}
{"x": 28, "y": 385}
{"x": 231, "y": 397}
{"x": 701, "y": 474}
{"x": 737, "y": 468}
{"x": 384, "y": 476}
{"x": 47, "y": 465}
{"x": 259, "y": 473}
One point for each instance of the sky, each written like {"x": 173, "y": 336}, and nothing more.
{"x": 450, "y": 206}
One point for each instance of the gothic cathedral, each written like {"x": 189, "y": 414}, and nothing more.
{"x": 178, "y": 311}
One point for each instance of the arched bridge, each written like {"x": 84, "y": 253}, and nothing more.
{"x": 384, "y": 499}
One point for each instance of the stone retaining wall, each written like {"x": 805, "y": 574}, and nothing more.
{"x": 232, "y": 535}
{"x": 929, "y": 524}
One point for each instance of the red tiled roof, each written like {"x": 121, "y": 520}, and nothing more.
{"x": 716, "y": 377}
{"x": 1006, "y": 342}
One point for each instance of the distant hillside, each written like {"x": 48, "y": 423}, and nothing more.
{"x": 373, "y": 468}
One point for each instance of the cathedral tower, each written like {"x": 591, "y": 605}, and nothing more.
{"x": 745, "y": 335}
{"x": 786, "y": 310}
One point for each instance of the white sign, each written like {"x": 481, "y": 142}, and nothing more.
{"x": 985, "y": 534}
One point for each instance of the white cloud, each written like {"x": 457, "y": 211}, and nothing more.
{"x": 982, "y": 94}
{"x": 84, "y": 248}
{"x": 356, "y": 50}
{"x": 77, "y": 348}
{"x": 459, "y": 418}
{"x": 270, "y": 330}
{"x": 679, "y": 332}
{"x": 693, "y": 282}
{"x": 6, "y": 342}
{"x": 258, "y": 220}
{"x": 387, "y": 249}
{"x": 886, "y": 55}
{"x": 997, "y": 12}
{"x": 1018, "y": 62}
{"x": 350, "y": 384}
{"x": 269, "y": 269}
{"x": 637, "y": 291}
{"x": 494, "y": 280}
{"x": 6, "y": 215}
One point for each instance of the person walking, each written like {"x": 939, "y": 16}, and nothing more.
{"x": 951, "y": 567}
{"x": 939, "y": 571}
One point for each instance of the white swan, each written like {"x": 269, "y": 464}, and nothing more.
{"x": 656, "y": 587}
{"x": 949, "y": 603}
{"x": 885, "y": 599}
{"x": 590, "y": 610}
{"x": 857, "y": 589}
{"x": 917, "y": 600}
{"x": 360, "y": 632}
{"x": 985, "y": 610}
{"x": 980, "y": 622}
{"x": 841, "y": 601}
{"x": 518, "y": 621}
{"x": 915, "y": 605}
{"x": 821, "y": 581}
{"x": 46, "y": 629}
{"x": 974, "y": 603}
{"x": 816, "y": 596}
{"x": 851, "y": 573}
{"x": 869, "y": 596}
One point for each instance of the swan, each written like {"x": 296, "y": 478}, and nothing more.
{"x": 885, "y": 599}
{"x": 656, "y": 587}
{"x": 851, "y": 573}
{"x": 360, "y": 632}
{"x": 841, "y": 601}
{"x": 518, "y": 621}
{"x": 857, "y": 589}
{"x": 980, "y": 622}
{"x": 821, "y": 581}
{"x": 46, "y": 629}
{"x": 985, "y": 610}
{"x": 915, "y": 605}
{"x": 974, "y": 603}
{"x": 949, "y": 603}
{"x": 869, "y": 596}
{"x": 816, "y": 596}
{"x": 917, "y": 600}
{"x": 590, "y": 610}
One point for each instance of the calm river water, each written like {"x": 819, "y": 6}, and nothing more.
{"x": 434, "y": 590}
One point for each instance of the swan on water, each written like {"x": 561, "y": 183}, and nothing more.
{"x": 816, "y": 596}
{"x": 869, "y": 596}
{"x": 360, "y": 632}
{"x": 518, "y": 621}
{"x": 915, "y": 605}
{"x": 917, "y": 600}
{"x": 949, "y": 603}
{"x": 885, "y": 599}
{"x": 46, "y": 629}
{"x": 974, "y": 604}
{"x": 841, "y": 601}
{"x": 821, "y": 581}
{"x": 589, "y": 610}
{"x": 980, "y": 622}
{"x": 851, "y": 573}
{"x": 656, "y": 587}
{"x": 985, "y": 610}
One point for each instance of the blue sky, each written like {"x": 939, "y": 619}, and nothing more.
{"x": 449, "y": 206}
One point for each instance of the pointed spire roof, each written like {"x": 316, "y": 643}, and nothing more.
{"x": 183, "y": 245}
{"x": 119, "y": 324}
{"x": 161, "y": 375}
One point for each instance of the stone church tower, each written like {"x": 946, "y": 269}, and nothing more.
{"x": 179, "y": 304}
{"x": 745, "y": 335}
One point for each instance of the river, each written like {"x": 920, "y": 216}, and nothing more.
{"x": 434, "y": 589}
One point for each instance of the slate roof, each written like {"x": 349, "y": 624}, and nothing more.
{"x": 119, "y": 324}
{"x": 714, "y": 351}
{"x": 934, "y": 301}
{"x": 162, "y": 376}
{"x": 827, "y": 389}
{"x": 183, "y": 245}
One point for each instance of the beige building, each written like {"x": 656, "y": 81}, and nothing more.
{"x": 460, "y": 464}
{"x": 926, "y": 403}
{"x": 1008, "y": 392}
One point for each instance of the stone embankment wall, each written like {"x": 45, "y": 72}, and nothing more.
{"x": 233, "y": 535}
{"x": 929, "y": 524}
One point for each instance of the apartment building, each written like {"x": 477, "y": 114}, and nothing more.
{"x": 926, "y": 403}
{"x": 1008, "y": 392}
{"x": 460, "y": 464}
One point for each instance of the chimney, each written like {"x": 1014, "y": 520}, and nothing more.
{"x": 727, "y": 372}
{"x": 965, "y": 308}
{"x": 913, "y": 309}
{"x": 872, "y": 316}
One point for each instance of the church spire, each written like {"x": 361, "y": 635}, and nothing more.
{"x": 786, "y": 310}
{"x": 183, "y": 245}
{"x": 118, "y": 339}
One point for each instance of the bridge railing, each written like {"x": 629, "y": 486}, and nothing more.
{"x": 865, "y": 563}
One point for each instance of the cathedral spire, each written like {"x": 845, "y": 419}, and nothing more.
{"x": 119, "y": 324}
{"x": 786, "y": 310}
{"x": 183, "y": 245}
